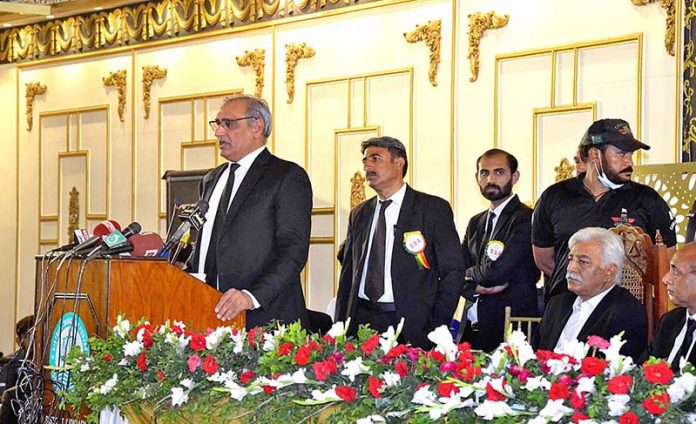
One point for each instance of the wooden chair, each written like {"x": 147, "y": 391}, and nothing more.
{"x": 519, "y": 323}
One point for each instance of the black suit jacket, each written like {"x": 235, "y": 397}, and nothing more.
{"x": 264, "y": 241}
{"x": 668, "y": 328}
{"x": 425, "y": 298}
{"x": 618, "y": 311}
{"x": 514, "y": 266}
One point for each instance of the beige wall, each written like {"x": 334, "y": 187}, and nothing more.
{"x": 363, "y": 80}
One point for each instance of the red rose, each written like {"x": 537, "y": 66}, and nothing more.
{"x": 577, "y": 400}
{"x": 197, "y": 342}
{"x": 559, "y": 391}
{"x": 373, "y": 385}
{"x": 210, "y": 365}
{"x": 177, "y": 330}
{"x": 314, "y": 345}
{"x": 320, "y": 371}
{"x": 160, "y": 376}
{"x": 251, "y": 336}
{"x": 593, "y": 366}
{"x": 147, "y": 339}
{"x": 657, "y": 404}
{"x": 108, "y": 357}
{"x": 285, "y": 349}
{"x": 468, "y": 372}
{"x": 268, "y": 389}
{"x": 396, "y": 351}
{"x": 494, "y": 395}
{"x": 579, "y": 416}
{"x": 401, "y": 368}
{"x": 346, "y": 393}
{"x": 328, "y": 339}
{"x": 350, "y": 347}
{"x": 659, "y": 373}
{"x": 246, "y": 376}
{"x": 142, "y": 362}
{"x": 370, "y": 344}
{"x": 302, "y": 355}
{"x": 446, "y": 389}
{"x": 629, "y": 418}
{"x": 620, "y": 385}
{"x": 437, "y": 356}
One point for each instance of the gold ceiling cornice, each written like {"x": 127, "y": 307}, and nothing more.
{"x": 146, "y": 22}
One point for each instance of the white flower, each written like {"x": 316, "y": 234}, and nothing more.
{"x": 424, "y": 396}
{"x": 555, "y": 410}
{"x": 339, "y": 329}
{"x": 237, "y": 392}
{"x": 391, "y": 378}
{"x": 139, "y": 336}
{"x": 682, "y": 387}
{"x": 187, "y": 382}
{"x": 132, "y": 348}
{"x": 213, "y": 339}
{"x": 449, "y": 404}
{"x": 238, "y": 340}
{"x": 618, "y": 364}
{"x": 490, "y": 409}
{"x": 534, "y": 383}
{"x": 387, "y": 339}
{"x": 586, "y": 385}
{"x": 442, "y": 338}
{"x": 499, "y": 386}
{"x": 122, "y": 327}
{"x": 123, "y": 362}
{"x": 574, "y": 348}
{"x": 525, "y": 352}
{"x": 329, "y": 395}
{"x": 372, "y": 419}
{"x": 559, "y": 366}
{"x": 354, "y": 368}
{"x": 223, "y": 377}
{"x": 109, "y": 385}
{"x": 84, "y": 367}
{"x": 179, "y": 396}
{"x": 299, "y": 377}
{"x": 268, "y": 342}
{"x": 617, "y": 404}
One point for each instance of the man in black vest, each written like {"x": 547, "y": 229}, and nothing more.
{"x": 674, "y": 337}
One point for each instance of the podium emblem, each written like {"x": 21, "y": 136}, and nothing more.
{"x": 69, "y": 331}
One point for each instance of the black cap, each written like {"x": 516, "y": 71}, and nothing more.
{"x": 612, "y": 131}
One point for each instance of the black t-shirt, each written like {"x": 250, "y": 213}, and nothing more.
{"x": 567, "y": 207}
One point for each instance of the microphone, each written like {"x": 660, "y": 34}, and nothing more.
{"x": 195, "y": 218}
{"x": 105, "y": 228}
{"x": 177, "y": 204}
{"x": 146, "y": 244}
{"x": 182, "y": 244}
{"x": 117, "y": 239}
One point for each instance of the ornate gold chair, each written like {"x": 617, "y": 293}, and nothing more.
{"x": 519, "y": 323}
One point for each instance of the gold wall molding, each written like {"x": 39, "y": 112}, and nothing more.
{"x": 73, "y": 213}
{"x": 430, "y": 33}
{"x": 357, "y": 189}
{"x": 479, "y": 23}
{"x": 118, "y": 79}
{"x": 293, "y": 53}
{"x": 153, "y": 21}
{"x": 33, "y": 89}
{"x": 670, "y": 21}
{"x": 257, "y": 60}
{"x": 564, "y": 170}
{"x": 150, "y": 73}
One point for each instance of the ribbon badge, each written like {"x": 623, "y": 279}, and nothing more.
{"x": 414, "y": 243}
{"x": 494, "y": 249}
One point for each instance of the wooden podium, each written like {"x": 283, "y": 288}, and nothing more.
{"x": 69, "y": 311}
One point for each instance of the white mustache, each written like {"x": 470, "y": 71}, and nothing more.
{"x": 573, "y": 276}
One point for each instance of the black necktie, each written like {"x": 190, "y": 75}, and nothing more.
{"x": 210, "y": 257}
{"x": 374, "y": 280}
{"x": 686, "y": 344}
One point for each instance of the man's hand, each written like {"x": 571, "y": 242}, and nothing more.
{"x": 232, "y": 303}
{"x": 491, "y": 290}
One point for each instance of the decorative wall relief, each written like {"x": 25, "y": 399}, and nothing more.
{"x": 670, "y": 22}
{"x": 257, "y": 60}
{"x": 293, "y": 53}
{"x": 564, "y": 170}
{"x": 150, "y": 73}
{"x": 479, "y": 23}
{"x": 118, "y": 79}
{"x": 73, "y": 213}
{"x": 33, "y": 89}
{"x": 430, "y": 33}
{"x": 357, "y": 189}
{"x": 689, "y": 81}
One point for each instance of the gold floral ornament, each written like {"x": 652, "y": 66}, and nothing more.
{"x": 73, "y": 213}
{"x": 564, "y": 170}
{"x": 357, "y": 189}
{"x": 33, "y": 89}
{"x": 478, "y": 24}
{"x": 118, "y": 79}
{"x": 670, "y": 21}
{"x": 293, "y": 53}
{"x": 257, "y": 60}
{"x": 430, "y": 33}
{"x": 150, "y": 73}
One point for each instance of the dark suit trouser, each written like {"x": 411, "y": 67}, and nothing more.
{"x": 378, "y": 321}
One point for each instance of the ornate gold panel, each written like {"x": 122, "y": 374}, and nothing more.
{"x": 293, "y": 53}
{"x": 670, "y": 21}
{"x": 429, "y": 33}
{"x": 255, "y": 59}
{"x": 150, "y": 73}
{"x": 479, "y": 23}
{"x": 118, "y": 79}
{"x": 33, "y": 89}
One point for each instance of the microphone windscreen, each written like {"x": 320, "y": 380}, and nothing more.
{"x": 146, "y": 244}
{"x": 105, "y": 228}
{"x": 202, "y": 206}
{"x": 132, "y": 228}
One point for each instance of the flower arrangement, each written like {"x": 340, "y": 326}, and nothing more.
{"x": 282, "y": 372}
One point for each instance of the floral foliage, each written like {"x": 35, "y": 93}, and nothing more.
{"x": 225, "y": 374}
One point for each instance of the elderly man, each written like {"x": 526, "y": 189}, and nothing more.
{"x": 674, "y": 337}
{"x": 596, "y": 305}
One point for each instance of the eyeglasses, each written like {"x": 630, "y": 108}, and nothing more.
{"x": 227, "y": 124}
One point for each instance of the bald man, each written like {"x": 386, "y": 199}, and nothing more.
{"x": 676, "y": 331}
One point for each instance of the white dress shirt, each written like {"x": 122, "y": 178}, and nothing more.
{"x": 581, "y": 312}
{"x": 472, "y": 312}
{"x": 391, "y": 216}
{"x": 244, "y": 166}
{"x": 680, "y": 339}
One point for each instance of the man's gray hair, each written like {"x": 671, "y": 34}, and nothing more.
{"x": 612, "y": 248}
{"x": 256, "y": 107}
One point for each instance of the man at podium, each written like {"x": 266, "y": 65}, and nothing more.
{"x": 255, "y": 241}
